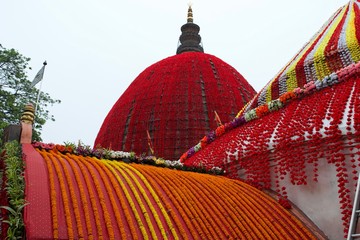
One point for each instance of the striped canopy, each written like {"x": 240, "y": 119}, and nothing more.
{"x": 334, "y": 46}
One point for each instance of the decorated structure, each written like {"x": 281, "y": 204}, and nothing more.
{"x": 82, "y": 197}
{"x": 75, "y": 192}
{"x": 300, "y": 135}
{"x": 174, "y": 102}
{"x": 294, "y": 146}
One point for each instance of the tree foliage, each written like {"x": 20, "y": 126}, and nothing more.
{"x": 16, "y": 92}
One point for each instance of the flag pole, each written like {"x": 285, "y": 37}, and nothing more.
{"x": 38, "y": 96}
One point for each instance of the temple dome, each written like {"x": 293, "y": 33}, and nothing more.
{"x": 174, "y": 100}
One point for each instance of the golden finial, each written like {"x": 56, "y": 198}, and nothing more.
{"x": 190, "y": 14}
{"x": 28, "y": 114}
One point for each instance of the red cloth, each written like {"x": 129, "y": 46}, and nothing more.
{"x": 37, "y": 214}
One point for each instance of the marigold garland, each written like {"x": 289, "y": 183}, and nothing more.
{"x": 84, "y": 201}
{"x": 179, "y": 193}
{"x": 166, "y": 197}
{"x": 131, "y": 221}
{"x": 73, "y": 198}
{"x": 64, "y": 195}
{"x": 100, "y": 194}
{"x": 103, "y": 172}
{"x": 183, "y": 209}
{"x": 143, "y": 205}
{"x": 53, "y": 194}
{"x": 157, "y": 200}
{"x": 130, "y": 200}
{"x": 84, "y": 169}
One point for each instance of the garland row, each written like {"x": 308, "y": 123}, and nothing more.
{"x": 127, "y": 157}
{"x": 95, "y": 195}
{"x": 104, "y": 199}
{"x": 231, "y": 203}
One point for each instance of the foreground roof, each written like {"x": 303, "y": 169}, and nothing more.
{"x": 72, "y": 196}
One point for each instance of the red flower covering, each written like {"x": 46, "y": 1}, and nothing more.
{"x": 174, "y": 99}
{"x": 324, "y": 124}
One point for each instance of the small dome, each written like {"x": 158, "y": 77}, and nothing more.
{"x": 174, "y": 102}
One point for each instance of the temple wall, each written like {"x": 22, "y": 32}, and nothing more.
{"x": 320, "y": 200}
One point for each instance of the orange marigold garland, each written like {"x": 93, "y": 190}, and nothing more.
{"x": 64, "y": 195}
{"x": 101, "y": 167}
{"x": 73, "y": 197}
{"x": 89, "y": 184}
{"x": 53, "y": 195}
{"x": 100, "y": 194}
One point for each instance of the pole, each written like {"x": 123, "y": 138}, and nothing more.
{"x": 38, "y": 96}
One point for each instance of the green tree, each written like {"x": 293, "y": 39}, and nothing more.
{"x": 16, "y": 92}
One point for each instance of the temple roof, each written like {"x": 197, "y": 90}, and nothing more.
{"x": 72, "y": 196}
{"x": 174, "y": 100}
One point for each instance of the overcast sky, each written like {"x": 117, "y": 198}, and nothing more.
{"x": 95, "y": 49}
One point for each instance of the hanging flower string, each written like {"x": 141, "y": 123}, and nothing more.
{"x": 274, "y": 105}
{"x": 322, "y": 125}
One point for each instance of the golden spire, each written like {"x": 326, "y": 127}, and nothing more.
{"x": 190, "y": 40}
{"x": 28, "y": 114}
{"x": 190, "y": 14}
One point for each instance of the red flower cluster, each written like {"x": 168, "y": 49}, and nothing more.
{"x": 174, "y": 99}
{"x": 322, "y": 125}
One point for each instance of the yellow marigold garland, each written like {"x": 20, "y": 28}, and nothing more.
{"x": 101, "y": 166}
{"x": 167, "y": 198}
{"x": 182, "y": 190}
{"x": 220, "y": 209}
{"x": 156, "y": 198}
{"x": 114, "y": 170}
{"x": 184, "y": 210}
{"x": 138, "y": 199}
{"x": 122, "y": 199}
